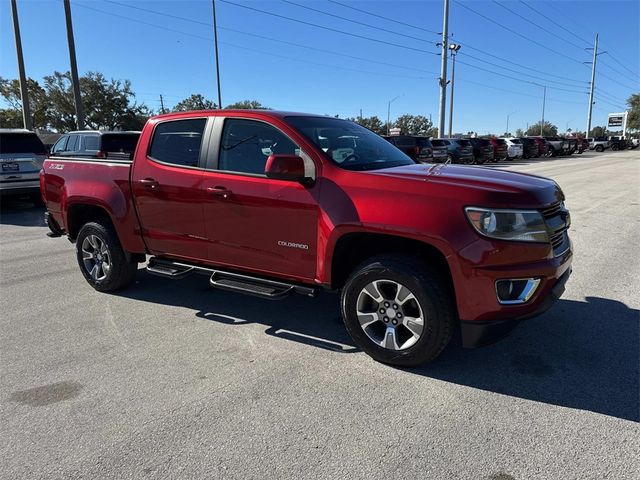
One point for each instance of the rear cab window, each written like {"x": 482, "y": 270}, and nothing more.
{"x": 119, "y": 142}
{"x": 178, "y": 142}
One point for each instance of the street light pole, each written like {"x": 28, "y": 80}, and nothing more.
{"x": 507, "y": 130}
{"x": 215, "y": 44}
{"x": 454, "y": 51}
{"x": 24, "y": 92}
{"x": 75, "y": 81}
{"x": 544, "y": 100}
{"x": 389, "y": 114}
{"x": 443, "y": 69}
{"x": 592, "y": 86}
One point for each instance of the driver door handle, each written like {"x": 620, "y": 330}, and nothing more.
{"x": 149, "y": 183}
{"x": 220, "y": 191}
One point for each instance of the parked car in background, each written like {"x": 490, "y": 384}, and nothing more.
{"x": 529, "y": 148}
{"x": 555, "y": 146}
{"x": 633, "y": 143}
{"x": 599, "y": 144}
{"x": 418, "y": 148}
{"x": 617, "y": 143}
{"x": 500, "y": 149}
{"x": 22, "y": 154}
{"x": 514, "y": 148}
{"x": 543, "y": 146}
{"x": 97, "y": 144}
{"x": 583, "y": 145}
{"x": 570, "y": 145}
{"x": 458, "y": 150}
{"x": 482, "y": 150}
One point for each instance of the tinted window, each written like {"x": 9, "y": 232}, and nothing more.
{"x": 120, "y": 142}
{"x": 21, "y": 143}
{"x": 349, "y": 145}
{"x": 439, "y": 143}
{"x": 424, "y": 142}
{"x": 500, "y": 141}
{"x": 60, "y": 145}
{"x": 404, "y": 142}
{"x": 515, "y": 140}
{"x": 91, "y": 142}
{"x": 246, "y": 145}
{"x": 178, "y": 142}
{"x": 73, "y": 143}
{"x": 464, "y": 143}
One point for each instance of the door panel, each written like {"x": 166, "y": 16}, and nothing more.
{"x": 253, "y": 222}
{"x": 167, "y": 187}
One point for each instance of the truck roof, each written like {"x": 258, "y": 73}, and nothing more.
{"x": 225, "y": 112}
{"x": 103, "y": 132}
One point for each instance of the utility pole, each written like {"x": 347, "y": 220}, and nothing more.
{"x": 360, "y": 115}
{"x": 454, "y": 52}
{"x": 507, "y": 130}
{"x": 544, "y": 100}
{"x": 593, "y": 83}
{"x": 161, "y": 104}
{"x": 24, "y": 91}
{"x": 74, "y": 67}
{"x": 443, "y": 69}
{"x": 215, "y": 44}
{"x": 389, "y": 113}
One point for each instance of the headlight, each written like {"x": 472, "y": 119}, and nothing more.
{"x": 516, "y": 225}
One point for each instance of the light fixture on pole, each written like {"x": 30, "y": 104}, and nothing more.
{"x": 454, "y": 47}
{"x": 389, "y": 113}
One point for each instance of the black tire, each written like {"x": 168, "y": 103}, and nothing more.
{"x": 122, "y": 272}
{"x": 431, "y": 294}
{"x": 599, "y": 148}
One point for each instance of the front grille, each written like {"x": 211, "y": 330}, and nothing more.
{"x": 551, "y": 211}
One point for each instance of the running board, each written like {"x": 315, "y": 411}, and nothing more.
{"x": 229, "y": 281}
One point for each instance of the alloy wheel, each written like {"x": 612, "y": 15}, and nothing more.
{"x": 96, "y": 257}
{"x": 390, "y": 315}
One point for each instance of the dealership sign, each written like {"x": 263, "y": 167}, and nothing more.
{"x": 618, "y": 120}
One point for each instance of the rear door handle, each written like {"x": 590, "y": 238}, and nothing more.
{"x": 149, "y": 183}
{"x": 220, "y": 191}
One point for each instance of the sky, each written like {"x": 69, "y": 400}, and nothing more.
{"x": 366, "y": 54}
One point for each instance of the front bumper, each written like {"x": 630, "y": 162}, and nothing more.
{"x": 477, "y": 334}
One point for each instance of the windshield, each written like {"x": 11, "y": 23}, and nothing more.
{"x": 516, "y": 141}
{"x": 349, "y": 145}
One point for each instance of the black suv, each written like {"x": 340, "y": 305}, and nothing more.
{"x": 418, "y": 148}
{"x": 482, "y": 150}
{"x": 96, "y": 144}
{"x": 529, "y": 148}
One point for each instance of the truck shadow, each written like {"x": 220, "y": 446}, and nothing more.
{"x": 20, "y": 212}
{"x": 583, "y": 355}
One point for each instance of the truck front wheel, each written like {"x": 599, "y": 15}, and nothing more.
{"x": 102, "y": 259}
{"x": 397, "y": 311}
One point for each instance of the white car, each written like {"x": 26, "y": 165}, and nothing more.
{"x": 21, "y": 157}
{"x": 514, "y": 148}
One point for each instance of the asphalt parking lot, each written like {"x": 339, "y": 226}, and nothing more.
{"x": 173, "y": 380}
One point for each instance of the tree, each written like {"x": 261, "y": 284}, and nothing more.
{"x": 247, "y": 105}
{"x": 107, "y": 104}
{"x": 12, "y": 117}
{"x": 548, "y": 129}
{"x": 415, "y": 125}
{"x": 633, "y": 120}
{"x": 372, "y": 123}
{"x": 519, "y": 132}
{"x": 599, "y": 132}
{"x": 195, "y": 102}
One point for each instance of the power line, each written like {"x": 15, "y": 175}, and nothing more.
{"x": 555, "y": 23}
{"x": 625, "y": 75}
{"x": 579, "y": 47}
{"x": 617, "y": 81}
{"x": 635, "y": 74}
{"x": 385, "y": 18}
{"x": 368, "y": 25}
{"x": 517, "y": 33}
{"x": 363, "y": 37}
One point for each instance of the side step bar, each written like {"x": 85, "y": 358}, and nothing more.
{"x": 230, "y": 281}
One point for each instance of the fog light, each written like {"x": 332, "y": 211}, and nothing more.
{"x": 515, "y": 291}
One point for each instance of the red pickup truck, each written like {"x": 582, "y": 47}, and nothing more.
{"x": 272, "y": 203}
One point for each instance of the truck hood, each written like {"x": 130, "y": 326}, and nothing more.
{"x": 494, "y": 186}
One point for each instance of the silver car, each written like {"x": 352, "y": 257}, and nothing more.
{"x": 21, "y": 157}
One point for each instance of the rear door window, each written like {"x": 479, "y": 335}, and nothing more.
{"x": 178, "y": 142}
{"x": 21, "y": 143}
{"x": 73, "y": 143}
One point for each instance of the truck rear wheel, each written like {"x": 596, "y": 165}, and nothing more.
{"x": 102, "y": 259}
{"x": 397, "y": 312}
{"x": 599, "y": 148}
